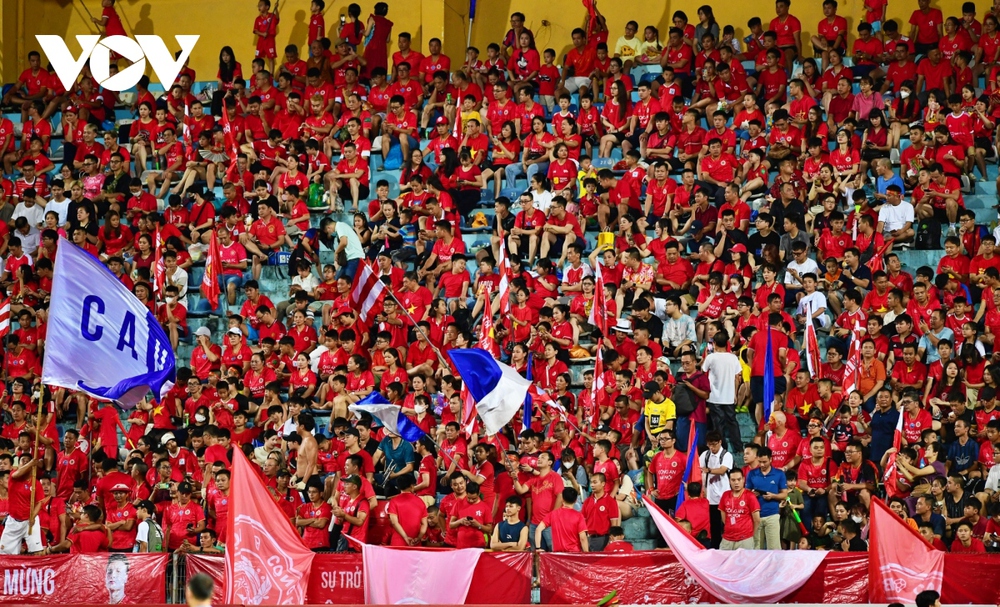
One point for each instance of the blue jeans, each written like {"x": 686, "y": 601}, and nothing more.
{"x": 516, "y": 170}
{"x": 683, "y": 431}
{"x": 349, "y": 270}
{"x": 546, "y": 538}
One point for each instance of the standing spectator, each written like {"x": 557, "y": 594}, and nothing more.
{"x": 769, "y": 485}
{"x": 716, "y": 463}
{"x": 740, "y": 514}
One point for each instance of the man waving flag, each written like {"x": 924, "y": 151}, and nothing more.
{"x": 101, "y": 339}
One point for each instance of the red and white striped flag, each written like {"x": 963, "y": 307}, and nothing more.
{"x": 159, "y": 268}
{"x": 812, "y": 344}
{"x": 487, "y": 337}
{"x": 456, "y": 129}
{"x": 503, "y": 265}
{"x": 5, "y": 318}
{"x": 367, "y": 292}
{"x": 597, "y": 387}
{"x": 891, "y": 471}
{"x": 210, "y": 288}
{"x": 599, "y": 307}
{"x": 853, "y": 365}
{"x": 470, "y": 419}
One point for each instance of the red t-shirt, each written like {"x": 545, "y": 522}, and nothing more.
{"x": 737, "y": 515}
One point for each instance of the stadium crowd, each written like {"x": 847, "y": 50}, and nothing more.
{"x": 732, "y": 207}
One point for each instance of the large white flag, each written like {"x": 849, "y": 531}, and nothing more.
{"x": 101, "y": 339}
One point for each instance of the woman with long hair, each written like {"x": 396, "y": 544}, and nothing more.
{"x": 506, "y": 151}
{"x": 535, "y": 155}
{"x": 415, "y": 166}
{"x": 706, "y": 25}
{"x": 874, "y": 142}
{"x": 902, "y": 111}
{"x": 614, "y": 117}
{"x": 229, "y": 72}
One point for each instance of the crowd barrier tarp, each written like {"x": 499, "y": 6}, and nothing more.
{"x": 971, "y": 578}
{"x": 500, "y": 578}
{"x": 84, "y": 578}
{"x": 658, "y": 577}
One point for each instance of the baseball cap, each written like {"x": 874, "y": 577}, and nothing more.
{"x": 650, "y": 388}
{"x": 441, "y": 120}
{"x": 119, "y": 487}
{"x": 604, "y": 428}
{"x": 234, "y": 331}
{"x": 352, "y": 431}
{"x": 166, "y": 438}
{"x": 738, "y": 248}
{"x": 664, "y": 360}
{"x": 184, "y": 487}
{"x": 203, "y": 331}
{"x": 293, "y": 437}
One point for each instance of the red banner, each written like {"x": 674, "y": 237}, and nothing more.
{"x": 502, "y": 578}
{"x": 971, "y": 578}
{"x": 658, "y": 577}
{"x": 91, "y": 578}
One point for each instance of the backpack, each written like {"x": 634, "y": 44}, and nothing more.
{"x": 684, "y": 403}
{"x": 154, "y": 537}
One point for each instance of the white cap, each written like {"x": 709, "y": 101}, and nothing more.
{"x": 624, "y": 325}
{"x": 166, "y": 438}
{"x": 203, "y": 331}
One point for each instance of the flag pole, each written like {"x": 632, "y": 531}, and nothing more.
{"x": 34, "y": 466}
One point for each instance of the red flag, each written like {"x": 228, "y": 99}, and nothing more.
{"x": 891, "y": 470}
{"x": 210, "y": 289}
{"x": 469, "y": 413}
{"x": 597, "y": 387}
{"x": 231, "y": 148}
{"x": 591, "y": 15}
{"x": 487, "y": 337}
{"x": 266, "y": 561}
{"x": 853, "y": 365}
{"x": 901, "y": 564}
{"x": 877, "y": 262}
{"x": 813, "y": 357}
{"x": 5, "y": 318}
{"x": 159, "y": 268}
{"x": 503, "y": 265}
{"x": 367, "y": 292}
{"x": 599, "y": 306}
{"x": 456, "y": 129}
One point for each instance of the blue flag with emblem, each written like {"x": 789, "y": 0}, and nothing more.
{"x": 101, "y": 339}
{"x": 528, "y": 401}
{"x": 768, "y": 379}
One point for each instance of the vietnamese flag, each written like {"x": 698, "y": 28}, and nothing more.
{"x": 210, "y": 288}
{"x": 266, "y": 561}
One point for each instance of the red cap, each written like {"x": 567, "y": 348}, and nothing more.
{"x": 738, "y": 248}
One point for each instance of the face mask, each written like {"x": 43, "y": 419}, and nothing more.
{"x": 171, "y": 299}
{"x": 904, "y": 94}
{"x": 856, "y": 518}
{"x": 198, "y": 417}
{"x": 420, "y": 408}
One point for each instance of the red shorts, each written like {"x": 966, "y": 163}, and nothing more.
{"x": 266, "y": 49}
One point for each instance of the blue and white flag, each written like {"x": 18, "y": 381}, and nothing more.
{"x": 101, "y": 339}
{"x": 498, "y": 389}
{"x": 390, "y": 415}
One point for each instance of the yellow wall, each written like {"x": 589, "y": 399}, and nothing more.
{"x": 222, "y": 22}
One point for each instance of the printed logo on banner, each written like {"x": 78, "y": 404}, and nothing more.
{"x": 897, "y": 581}
{"x": 138, "y": 51}
{"x": 254, "y": 576}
